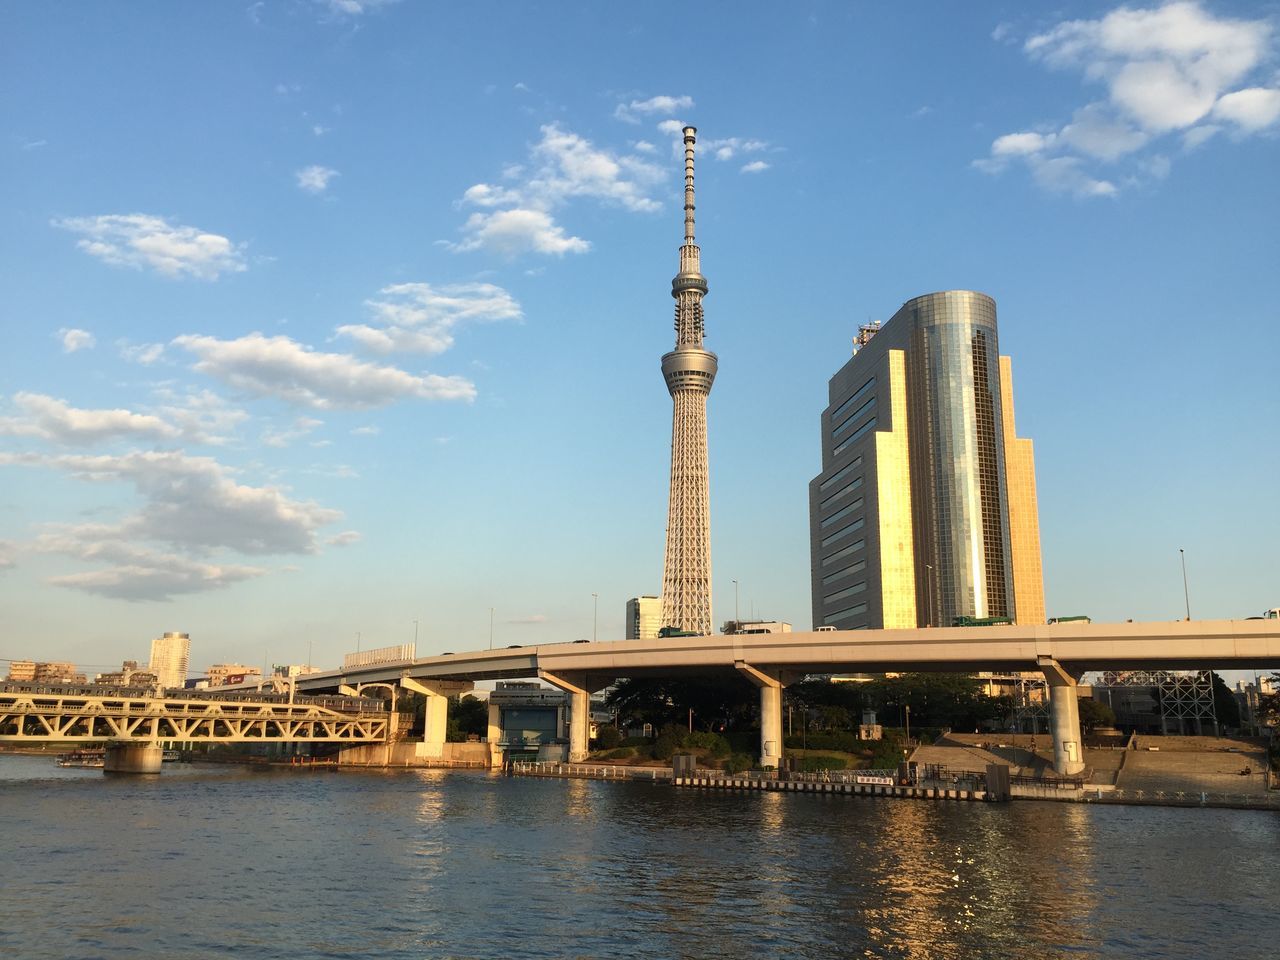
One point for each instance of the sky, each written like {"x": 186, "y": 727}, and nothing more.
{"x": 338, "y": 322}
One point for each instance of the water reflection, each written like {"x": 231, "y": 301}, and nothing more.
{"x": 430, "y": 863}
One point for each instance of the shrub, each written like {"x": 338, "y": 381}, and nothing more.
{"x": 608, "y": 737}
{"x": 845, "y": 742}
{"x": 737, "y": 762}
{"x": 635, "y": 741}
{"x": 621, "y": 753}
{"x": 820, "y": 762}
{"x": 713, "y": 743}
{"x": 665, "y": 746}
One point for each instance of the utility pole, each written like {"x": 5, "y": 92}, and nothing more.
{"x": 1186, "y": 594}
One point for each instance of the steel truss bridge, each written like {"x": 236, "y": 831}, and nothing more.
{"x": 80, "y": 717}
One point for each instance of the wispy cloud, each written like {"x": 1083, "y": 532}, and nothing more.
{"x": 283, "y": 368}
{"x": 74, "y": 339}
{"x": 633, "y": 111}
{"x": 140, "y": 240}
{"x": 315, "y": 179}
{"x": 420, "y": 318}
{"x": 563, "y": 167}
{"x": 755, "y": 166}
{"x": 533, "y": 618}
{"x": 1172, "y": 70}
{"x": 347, "y": 9}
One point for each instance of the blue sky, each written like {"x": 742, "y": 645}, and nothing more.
{"x": 323, "y": 317}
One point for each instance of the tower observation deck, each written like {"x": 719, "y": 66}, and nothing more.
{"x": 689, "y": 370}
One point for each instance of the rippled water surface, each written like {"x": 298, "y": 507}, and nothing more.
{"x": 206, "y": 861}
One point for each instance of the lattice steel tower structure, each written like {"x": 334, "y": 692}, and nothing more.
{"x": 689, "y": 371}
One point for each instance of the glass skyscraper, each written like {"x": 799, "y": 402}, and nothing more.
{"x": 925, "y": 509}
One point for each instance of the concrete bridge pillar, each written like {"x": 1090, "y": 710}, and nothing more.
{"x": 436, "y": 716}
{"x": 495, "y": 735}
{"x": 770, "y": 684}
{"x": 1064, "y": 717}
{"x": 579, "y": 687}
{"x": 133, "y": 758}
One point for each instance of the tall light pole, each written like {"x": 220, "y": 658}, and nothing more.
{"x": 595, "y": 614}
{"x": 1186, "y": 594}
{"x": 735, "y": 605}
{"x": 928, "y": 593}
{"x": 357, "y": 641}
{"x": 491, "y": 628}
{"x": 415, "y": 636}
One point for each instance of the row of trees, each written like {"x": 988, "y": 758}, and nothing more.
{"x": 728, "y": 703}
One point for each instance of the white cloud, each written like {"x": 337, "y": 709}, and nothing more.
{"x": 510, "y": 233}
{"x": 659, "y": 104}
{"x": 485, "y": 195}
{"x": 533, "y": 618}
{"x": 755, "y": 166}
{"x": 672, "y": 128}
{"x": 201, "y": 415}
{"x": 1020, "y": 144}
{"x": 283, "y": 437}
{"x": 419, "y": 318}
{"x": 343, "y": 539}
{"x": 570, "y": 166}
{"x": 136, "y": 573}
{"x": 319, "y": 129}
{"x": 644, "y": 146}
{"x": 368, "y": 430}
{"x": 74, "y": 339}
{"x": 143, "y": 353}
{"x": 48, "y": 418}
{"x": 1164, "y": 70}
{"x": 563, "y": 167}
{"x": 315, "y": 179}
{"x": 283, "y": 368}
{"x": 141, "y": 240}
{"x": 343, "y": 9}
{"x": 1198, "y": 135}
{"x": 193, "y": 512}
{"x": 1253, "y": 109}
{"x": 190, "y": 503}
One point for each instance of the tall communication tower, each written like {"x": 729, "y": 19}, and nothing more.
{"x": 689, "y": 371}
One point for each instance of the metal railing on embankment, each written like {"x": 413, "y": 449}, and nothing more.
{"x": 556, "y": 768}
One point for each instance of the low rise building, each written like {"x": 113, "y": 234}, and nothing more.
{"x": 221, "y": 674}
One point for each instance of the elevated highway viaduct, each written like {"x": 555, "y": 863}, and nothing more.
{"x": 1063, "y": 652}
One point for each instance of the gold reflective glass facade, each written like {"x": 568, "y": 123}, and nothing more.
{"x": 1024, "y": 511}
{"x": 944, "y": 525}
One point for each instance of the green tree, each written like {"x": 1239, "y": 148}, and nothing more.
{"x": 467, "y": 715}
{"x": 1225, "y": 706}
{"x": 1094, "y": 714}
{"x": 608, "y": 737}
{"x": 715, "y": 701}
{"x": 1269, "y": 703}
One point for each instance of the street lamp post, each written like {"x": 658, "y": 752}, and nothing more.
{"x": 595, "y": 614}
{"x": 1186, "y": 594}
{"x": 928, "y": 593}
{"x": 736, "y": 621}
{"x": 415, "y": 637}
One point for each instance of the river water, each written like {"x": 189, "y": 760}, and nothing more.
{"x": 207, "y": 861}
